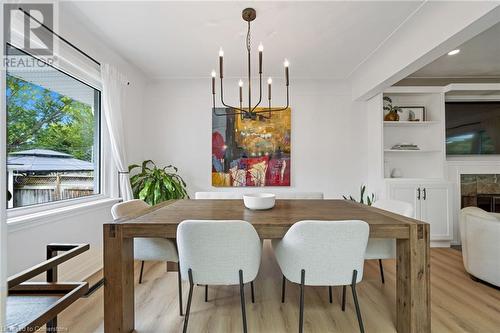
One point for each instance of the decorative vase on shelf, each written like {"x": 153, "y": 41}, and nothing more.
{"x": 392, "y": 116}
{"x": 396, "y": 173}
{"x": 392, "y": 110}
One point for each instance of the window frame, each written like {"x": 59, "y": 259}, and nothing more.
{"x": 101, "y": 166}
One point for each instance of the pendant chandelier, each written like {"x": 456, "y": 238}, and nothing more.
{"x": 249, "y": 112}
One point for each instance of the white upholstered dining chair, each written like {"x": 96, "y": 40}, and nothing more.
{"x": 218, "y": 253}
{"x": 279, "y": 195}
{"x": 380, "y": 248}
{"x": 323, "y": 253}
{"x": 227, "y": 195}
{"x": 148, "y": 249}
{"x": 299, "y": 195}
{"x": 218, "y": 195}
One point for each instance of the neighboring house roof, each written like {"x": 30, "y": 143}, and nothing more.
{"x": 46, "y": 160}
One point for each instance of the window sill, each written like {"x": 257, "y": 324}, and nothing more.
{"x": 28, "y": 220}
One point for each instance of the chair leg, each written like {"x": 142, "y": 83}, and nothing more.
{"x": 252, "y": 292}
{"x": 51, "y": 325}
{"x": 283, "y": 285}
{"x": 301, "y": 306}
{"x": 330, "y": 293}
{"x": 242, "y": 296}
{"x": 206, "y": 293}
{"x": 343, "y": 298}
{"x": 179, "y": 281}
{"x": 142, "y": 269}
{"x": 190, "y": 296}
{"x": 356, "y": 303}
{"x": 381, "y": 270}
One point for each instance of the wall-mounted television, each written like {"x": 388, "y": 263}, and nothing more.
{"x": 472, "y": 128}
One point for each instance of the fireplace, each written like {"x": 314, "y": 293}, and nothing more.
{"x": 481, "y": 190}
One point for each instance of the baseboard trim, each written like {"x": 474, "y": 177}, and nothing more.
{"x": 441, "y": 243}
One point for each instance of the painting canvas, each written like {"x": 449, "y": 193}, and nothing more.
{"x": 251, "y": 152}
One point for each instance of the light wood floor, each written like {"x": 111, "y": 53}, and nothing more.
{"x": 458, "y": 303}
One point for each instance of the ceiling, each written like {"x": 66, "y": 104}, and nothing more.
{"x": 479, "y": 58}
{"x": 182, "y": 39}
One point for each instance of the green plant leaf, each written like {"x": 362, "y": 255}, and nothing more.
{"x": 145, "y": 165}
{"x": 143, "y": 193}
{"x": 133, "y": 166}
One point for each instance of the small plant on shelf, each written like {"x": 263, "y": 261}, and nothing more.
{"x": 363, "y": 199}
{"x": 392, "y": 110}
{"x": 155, "y": 184}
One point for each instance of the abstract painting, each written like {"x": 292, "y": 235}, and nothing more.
{"x": 251, "y": 152}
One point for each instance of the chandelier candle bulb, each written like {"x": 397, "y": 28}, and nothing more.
{"x": 213, "y": 82}
{"x": 240, "y": 83}
{"x": 221, "y": 60}
{"x": 286, "y": 64}
{"x": 261, "y": 48}
{"x": 269, "y": 83}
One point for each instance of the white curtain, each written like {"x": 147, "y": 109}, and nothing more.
{"x": 113, "y": 86}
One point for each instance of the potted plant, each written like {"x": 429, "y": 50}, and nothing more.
{"x": 154, "y": 184}
{"x": 392, "y": 111}
{"x": 368, "y": 200}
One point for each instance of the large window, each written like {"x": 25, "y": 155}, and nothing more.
{"x": 53, "y": 130}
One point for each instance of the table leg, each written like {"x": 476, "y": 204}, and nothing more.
{"x": 413, "y": 281}
{"x": 118, "y": 280}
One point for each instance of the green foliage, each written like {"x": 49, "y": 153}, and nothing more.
{"x": 388, "y": 105}
{"x": 363, "y": 199}
{"x": 40, "y": 118}
{"x": 154, "y": 185}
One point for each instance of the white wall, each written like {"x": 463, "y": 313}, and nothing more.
{"x": 26, "y": 244}
{"x": 327, "y": 133}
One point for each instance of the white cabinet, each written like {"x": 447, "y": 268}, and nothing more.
{"x": 431, "y": 202}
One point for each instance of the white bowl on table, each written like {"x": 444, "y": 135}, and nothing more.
{"x": 259, "y": 201}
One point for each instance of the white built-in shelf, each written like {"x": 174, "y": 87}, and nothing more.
{"x": 429, "y": 161}
{"x": 409, "y": 123}
{"x": 400, "y": 151}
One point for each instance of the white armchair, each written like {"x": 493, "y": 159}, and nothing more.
{"x": 480, "y": 235}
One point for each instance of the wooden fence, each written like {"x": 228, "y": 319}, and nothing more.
{"x": 31, "y": 190}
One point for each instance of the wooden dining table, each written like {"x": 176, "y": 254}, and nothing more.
{"x": 412, "y": 246}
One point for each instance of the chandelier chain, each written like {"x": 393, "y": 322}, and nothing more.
{"x": 248, "y": 37}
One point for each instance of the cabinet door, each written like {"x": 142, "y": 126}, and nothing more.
{"x": 435, "y": 209}
{"x": 408, "y": 193}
